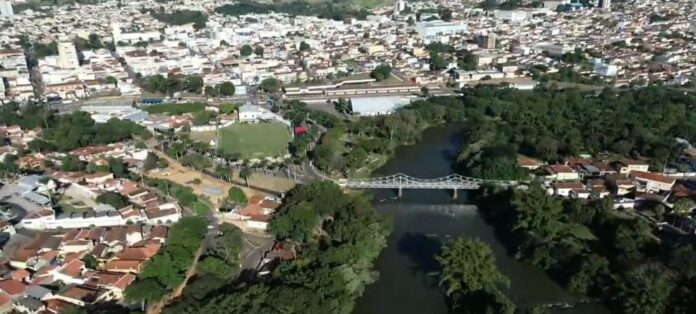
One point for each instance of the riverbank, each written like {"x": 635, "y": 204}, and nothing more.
{"x": 423, "y": 220}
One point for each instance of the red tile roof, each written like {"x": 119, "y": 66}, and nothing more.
{"x": 12, "y": 287}
{"x": 651, "y": 176}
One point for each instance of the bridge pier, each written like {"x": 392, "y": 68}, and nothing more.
{"x": 454, "y": 194}
{"x": 401, "y": 192}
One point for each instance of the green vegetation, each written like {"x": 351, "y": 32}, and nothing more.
{"x": 593, "y": 251}
{"x": 255, "y": 140}
{"x": 322, "y": 9}
{"x": 245, "y": 51}
{"x": 196, "y": 161}
{"x": 190, "y": 83}
{"x": 182, "y": 17}
{"x": 471, "y": 279}
{"x": 341, "y": 237}
{"x": 236, "y": 195}
{"x": 271, "y": 85}
{"x": 116, "y": 200}
{"x": 167, "y": 269}
{"x": 381, "y": 72}
{"x": 152, "y": 161}
{"x": 67, "y": 132}
{"x": 181, "y": 193}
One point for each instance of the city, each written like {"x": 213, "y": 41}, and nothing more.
{"x": 435, "y": 156}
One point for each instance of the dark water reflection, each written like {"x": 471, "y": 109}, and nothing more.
{"x": 423, "y": 220}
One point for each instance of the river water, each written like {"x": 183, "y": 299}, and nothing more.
{"x": 423, "y": 219}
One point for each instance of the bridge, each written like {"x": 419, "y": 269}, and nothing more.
{"x": 401, "y": 181}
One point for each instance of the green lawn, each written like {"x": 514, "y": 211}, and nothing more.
{"x": 255, "y": 140}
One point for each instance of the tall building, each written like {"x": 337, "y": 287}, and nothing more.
{"x": 487, "y": 41}
{"x": 399, "y": 6}
{"x": 67, "y": 56}
{"x": 6, "y": 8}
{"x": 606, "y": 4}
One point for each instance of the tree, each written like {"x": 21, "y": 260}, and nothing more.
{"x": 646, "y": 289}
{"x": 245, "y": 173}
{"x": 8, "y": 166}
{"x": 194, "y": 84}
{"x": 72, "y": 163}
{"x": 381, "y": 72}
{"x": 304, "y": 46}
{"x": 229, "y": 244}
{"x": 211, "y": 91}
{"x": 228, "y": 108}
{"x": 258, "y": 50}
{"x": 90, "y": 262}
{"x": 683, "y": 206}
{"x": 226, "y": 89}
{"x": 588, "y": 273}
{"x": 153, "y": 161}
{"x": 437, "y": 62}
{"x": 245, "y": 51}
{"x": 468, "y": 266}
{"x": 271, "y": 85}
{"x": 111, "y": 80}
{"x": 114, "y": 199}
{"x": 146, "y": 291}
{"x": 214, "y": 266}
{"x": 236, "y": 195}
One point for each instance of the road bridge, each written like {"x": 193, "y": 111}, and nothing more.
{"x": 400, "y": 181}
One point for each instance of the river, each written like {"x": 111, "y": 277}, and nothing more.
{"x": 423, "y": 219}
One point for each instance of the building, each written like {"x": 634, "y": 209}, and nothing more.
{"x": 487, "y": 41}
{"x": 652, "y": 182}
{"x": 606, "y": 4}
{"x": 6, "y": 8}
{"x": 399, "y": 6}
{"x": 432, "y": 30}
{"x": 67, "y": 56}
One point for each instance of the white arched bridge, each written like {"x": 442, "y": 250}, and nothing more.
{"x": 401, "y": 181}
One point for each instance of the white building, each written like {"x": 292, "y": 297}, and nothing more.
{"x": 375, "y": 106}
{"x": 67, "y": 56}
{"x": 6, "y": 8}
{"x": 514, "y": 16}
{"x": 432, "y": 30}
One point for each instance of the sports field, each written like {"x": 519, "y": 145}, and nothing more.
{"x": 254, "y": 140}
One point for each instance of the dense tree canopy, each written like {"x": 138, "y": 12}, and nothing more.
{"x": 381, "y": 72}
{"x": 468, "y": 269}
{"x": 332, "y": 268}
{"x": 183, "y": 17}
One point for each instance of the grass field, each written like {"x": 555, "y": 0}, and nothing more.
{"x": 255, "y": 140}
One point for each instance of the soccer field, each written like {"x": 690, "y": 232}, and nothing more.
{"x": 256, "y": 140}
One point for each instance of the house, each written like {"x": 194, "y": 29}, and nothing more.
{"x": 115, "y": 283}
{"x": 71, "y": 273}
{"x": 29, "y": 305}
{"x": 14, "y": 288}
{"x": 81, "y": 295}
{"x": 123, "y": 266}
{"x": 620, "y": 183}
{"x": 529, "y": 163}
{"x": 257, "y": 212}
{"x": 626, "y": 166}
{"x": 6, "y": 305}
{"x": 569, "y": 188}
{"x": 652, "y": 182}
{"x": 562, "y": 173}
{"x": 38, "y": 292}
